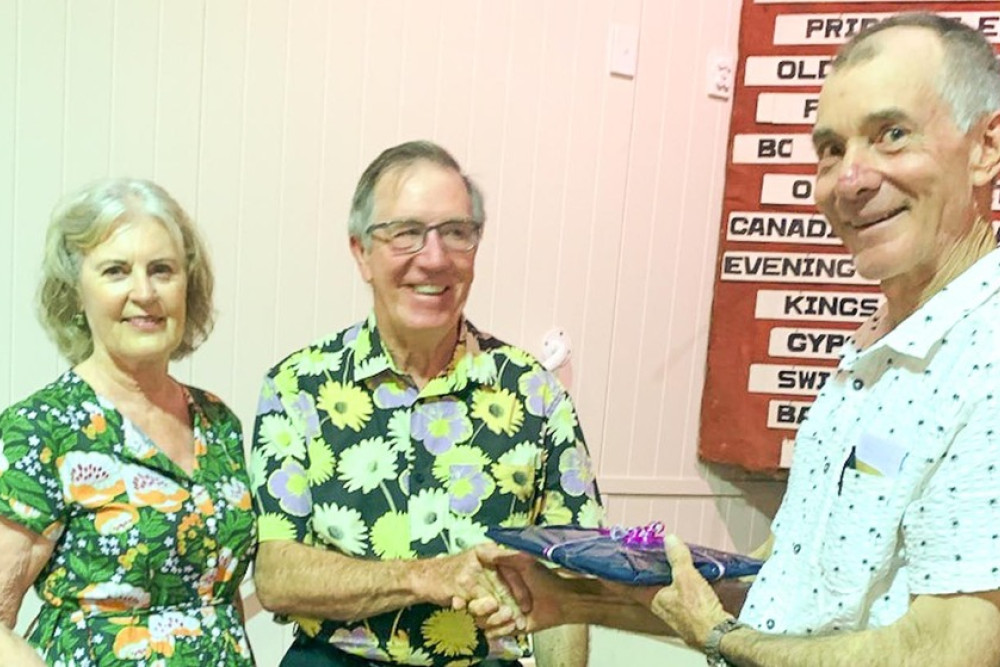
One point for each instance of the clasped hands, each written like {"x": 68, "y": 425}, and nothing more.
{"x": 516, "y": 593}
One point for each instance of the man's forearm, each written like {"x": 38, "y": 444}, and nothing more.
{"x": 959, "y": 632}
{"x": 565, "y": 646}
{"x": 293, "y": 578}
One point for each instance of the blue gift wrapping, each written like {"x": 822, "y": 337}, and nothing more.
{"x": 631, "y": 556}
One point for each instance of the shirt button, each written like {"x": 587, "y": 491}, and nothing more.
{"x": 859, "y": 384}
{"x": 418, "y": 478}
{"x": 796, "y": 548}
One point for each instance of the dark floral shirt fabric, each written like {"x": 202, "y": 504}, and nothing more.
{"x": 148, "y": 559}
{"x": 347, "y": 454}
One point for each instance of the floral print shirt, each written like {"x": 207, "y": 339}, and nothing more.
{"x": 148, "y": 559}
{"x": 348, "y": 455}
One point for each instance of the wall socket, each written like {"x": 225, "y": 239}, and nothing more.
{"x": 720, "y": 76}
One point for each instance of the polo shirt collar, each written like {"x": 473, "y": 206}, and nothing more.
{"x": 921, "y": 331}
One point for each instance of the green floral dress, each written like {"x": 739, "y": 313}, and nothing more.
{"x": 349, "y": 455}
{"x": 148, "y": 559}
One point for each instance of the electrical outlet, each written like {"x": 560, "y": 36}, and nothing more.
{"x": 720, "y": 77}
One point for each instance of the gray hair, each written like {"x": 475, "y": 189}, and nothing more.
{"x": 400, "y": 157}
{"x": 81, "y": 222}
{"x": 969, "y": 81}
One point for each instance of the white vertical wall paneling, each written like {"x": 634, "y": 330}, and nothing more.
{"x": 454, "y": 65}
{"x": 299, "y": 214}
{"x": 488, "y": 93}
{"x": 604, "y": 232}
{"x": 9, "y": 57}
{"x": 513, "y": 191}
{"x": 40, "y": 89}
{"x": 135, "y": 81}
{"x": 420, "y": 71}
{"x": 261, "y": 217}
{"x": 549, "y": 139}
{"x": 586, "y": 236}
{"x": 90, "y": 33}
{"x": 218, "y": 206}
{"x": 340, "y": 296}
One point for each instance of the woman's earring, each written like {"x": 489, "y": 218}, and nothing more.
{"x": 79, "y": 321}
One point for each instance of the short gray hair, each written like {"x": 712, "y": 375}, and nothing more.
{"x": 400, "y": 157}
{"x": 969, "y": 81}
{"x": 81, "y": 222}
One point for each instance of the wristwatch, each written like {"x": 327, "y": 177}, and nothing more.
{"x": 712, "y": 652}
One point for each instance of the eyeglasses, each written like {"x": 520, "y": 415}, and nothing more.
{"x": 405, "y": 237}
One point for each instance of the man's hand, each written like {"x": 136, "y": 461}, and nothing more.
{"x": 454, "y": 581}
{"x": 541, "y": 594}
{"x": 688, "y": 605}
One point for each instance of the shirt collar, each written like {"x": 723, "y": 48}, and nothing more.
{"x": 377, "y": 359}
{"x": 917, "y": 334}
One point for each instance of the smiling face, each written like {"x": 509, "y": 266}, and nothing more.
{"x": 133, "y": 290}
{"x": 895, "y": 176}
{"x": 418, "y": 296}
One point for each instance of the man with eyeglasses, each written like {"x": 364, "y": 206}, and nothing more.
{"x": 381, "y": 454}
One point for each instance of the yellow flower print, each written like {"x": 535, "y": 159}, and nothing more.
{"x": 404, "y": 654}
{"x": 309, "y": 625}
{"x": 500, "y": 410}
{"x": 362, "y": 344}
{"x": 189, "y": 531}
{"x": 450, "y": 632}
{"x": 96, "y": 426}
{"x": 286, "y": 382}
{"x": 272, "y": 526}
{"x": 348, "y": 406}
{"x": 555, "y": 511}
{"x": 44, "y": 456}
{"x": 390, "y": 537}
{"x": 321, "y": 462}
{"x": 127, "y": 559}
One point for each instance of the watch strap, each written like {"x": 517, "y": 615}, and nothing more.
{"x": 713, "y": 654}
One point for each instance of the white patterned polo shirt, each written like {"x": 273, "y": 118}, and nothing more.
{"x": 921, "y": 404}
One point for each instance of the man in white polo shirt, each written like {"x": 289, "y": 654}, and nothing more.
{"x": 886, "y": 548}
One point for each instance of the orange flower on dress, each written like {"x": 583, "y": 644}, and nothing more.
{"x": 115, "y": 518}
{"x": 203, "y": 500}
{"x": 149, "y": 488}
{"x": 132, "y": 643}
{"x": 166, "y": 627}
{"x": 90, "y": 478}
{"x": 96, "y": 426}
{"x": 110, "y": 597}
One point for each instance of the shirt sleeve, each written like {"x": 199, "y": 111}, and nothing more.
{"x": 569, "y": 489}
{"x": 279, "y": 459}
{"x": 952, "y": 530}
{"x": 31, "y": 493}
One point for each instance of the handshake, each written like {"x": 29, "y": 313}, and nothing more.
{"x": 564, "y": 574}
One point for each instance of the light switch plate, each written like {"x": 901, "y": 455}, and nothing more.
{"x": 623, "y": 52}
{"x": 720, "y": 76}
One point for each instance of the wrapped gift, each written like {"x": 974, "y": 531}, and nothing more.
{"x": 632, "y": 556}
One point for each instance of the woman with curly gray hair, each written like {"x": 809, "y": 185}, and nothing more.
{"x": 123, "y": 492}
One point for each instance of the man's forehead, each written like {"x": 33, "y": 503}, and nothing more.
{"x": 903, "y": 65}
{"x": 400, "y": 181}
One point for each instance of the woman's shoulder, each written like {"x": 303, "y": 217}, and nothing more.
{"x": 67, "y": 393}
{"x": 213, "y": 406}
